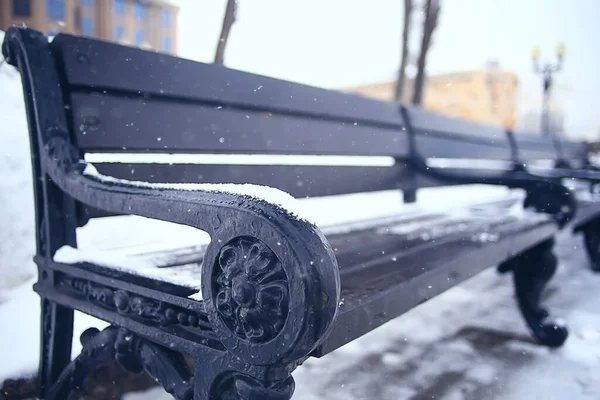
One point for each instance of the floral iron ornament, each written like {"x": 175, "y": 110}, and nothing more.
{"x": 252, "y": 294}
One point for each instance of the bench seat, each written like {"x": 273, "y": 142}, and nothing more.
{"x": 387, "y": 265}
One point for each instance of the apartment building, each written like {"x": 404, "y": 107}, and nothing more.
{"x": 148, "y": 24}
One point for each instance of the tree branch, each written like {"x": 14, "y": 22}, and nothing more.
{"x": 432, "y": 9}
{"x": 228, "y": 20}
{"x": 405, "y": 34}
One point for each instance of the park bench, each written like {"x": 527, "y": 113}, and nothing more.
{"x": 275, "y": 289}
{"x": 548, "y": 157}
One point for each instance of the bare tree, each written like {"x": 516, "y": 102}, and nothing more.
{"x": 228, "y": 20}
{"x": 432, "y": 9}
{"x": 408, "y": 6}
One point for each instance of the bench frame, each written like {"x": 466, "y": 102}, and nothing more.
{"x": 246, "y": 355}
{"x": 155, "y": 327}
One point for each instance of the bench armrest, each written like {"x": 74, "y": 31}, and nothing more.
{"x": 257, "y": 248}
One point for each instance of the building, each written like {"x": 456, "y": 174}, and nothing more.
{"x": 485, "y": 96}
{"x": 144, "y": 23}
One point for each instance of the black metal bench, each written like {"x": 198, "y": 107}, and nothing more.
{"x": 566, "y": 160}
{"x": 275, "y": 288}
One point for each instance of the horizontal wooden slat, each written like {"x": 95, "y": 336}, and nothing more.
{"x": 299, "y": 181}
{"x": 438, "y": 135}
{"x": 535, "y": 147}
{"x": 451, "y": 146}
{"x": 113, "y": 123}
{"x": 396, "y": 282}
{"x": 428, "y": 122}
{"x": 105, "y": 65}
{"x": 576, "y": 153}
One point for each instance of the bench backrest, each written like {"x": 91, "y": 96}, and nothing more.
{"x": 146, "y": 116}
{"x": 534, "y": 149}
{"x": 125, "y": 101}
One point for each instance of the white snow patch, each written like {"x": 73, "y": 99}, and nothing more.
{"x": 17, "y": 240}
{"x": 20, "y": 333}
{"x": 184, "y": 275}
{"x": 239, "y": 159}
{"x": 468, "y": 163}
{"x": 196, "y": 296}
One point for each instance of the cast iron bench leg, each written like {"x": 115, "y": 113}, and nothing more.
{"x": 218, "y": 374}
{"x": 56, "y": 338}
{"x": 592, "y": 243}
{"x": 532, "y": 270}
{"x": 133, "y": 353}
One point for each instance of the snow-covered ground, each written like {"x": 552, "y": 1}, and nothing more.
{"x": 468, "y": 343}
{"x": 16, "y": 200}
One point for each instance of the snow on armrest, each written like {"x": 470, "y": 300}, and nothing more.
{"x": 276, "y": 197}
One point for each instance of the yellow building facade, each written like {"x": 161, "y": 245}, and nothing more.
{"x": 484, "y": 96}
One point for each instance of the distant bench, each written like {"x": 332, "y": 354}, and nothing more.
{"x": 556, "y": 158}
{"x": 275, "y": 289}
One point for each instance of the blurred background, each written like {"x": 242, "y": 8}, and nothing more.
{"x": 480, "y": 60}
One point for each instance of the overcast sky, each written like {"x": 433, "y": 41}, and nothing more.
{"x": 337, "y": 43}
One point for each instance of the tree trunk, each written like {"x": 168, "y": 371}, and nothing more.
{"x": 432, "y": 9}
{"x": 403, "y": 61}
{"x": 228, "y": 21}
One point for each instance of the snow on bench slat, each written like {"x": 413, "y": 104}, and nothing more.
{"x": 183, "y": 275}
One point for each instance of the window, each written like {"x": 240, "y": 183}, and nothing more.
{"x": 87, "y": 26}
{"x": 166, "y": 18}
{"x": 166, "y": 43}
{"x": 140, "y": 37}
{"x": 141, "y": 12}
{"x": 21, "y": 8}
{"x": 119, "y": 6}
{"x": 119, "y": 32}
{"x": 88, "y": 3}
{"x": 56, "y": 10}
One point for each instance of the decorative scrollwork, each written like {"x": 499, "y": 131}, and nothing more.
{"x": 237, "y": 386}
{"x": 251, "y": 287}
{"x": 133, "y": 305}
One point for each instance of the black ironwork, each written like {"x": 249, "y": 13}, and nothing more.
{"x": 312, "y": 287}
{"x": 532, "y": 270}
{"x": 547, "y": 195}
{"x": 252, "y": 293}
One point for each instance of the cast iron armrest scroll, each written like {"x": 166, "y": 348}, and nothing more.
{"x": 290, "y": 290}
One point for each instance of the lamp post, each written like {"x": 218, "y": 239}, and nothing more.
{"x": 546, "y": 72}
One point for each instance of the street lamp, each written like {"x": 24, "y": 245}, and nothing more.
{"x": 546, "y": 71}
